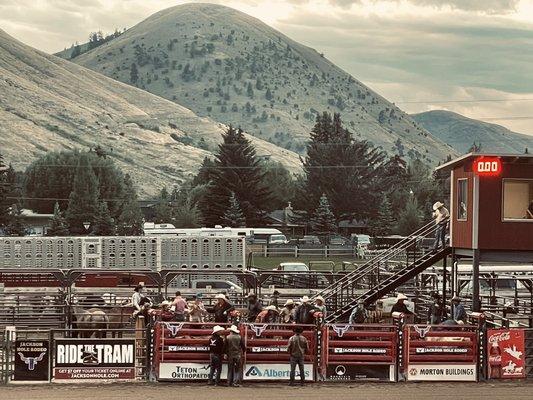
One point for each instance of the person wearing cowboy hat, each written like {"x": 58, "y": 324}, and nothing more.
{"x": 254, "y": 307}
{"x": 274, "y": 299}
{"x": 234, "y": 349}
{"x": 437, "y": 310}
{"x": 286, "y": 314}
{"x": 297, "y": 348}
{"x": 197, "y": 310}
{"x": 164, "y": 313}
{"x": 320, "y": 306}
{"x": 458, "y": 310}
{"x": 304, "y": 312}
{"x": 359, "y": 313}
{"x": 268, "y": 316}
{"x": 140, "y": 301}
{"x": 441, "y": 216}
{"x": 216, "y": 355}
{"x": 400, "y": 306}
{"x": 221, "y": 309}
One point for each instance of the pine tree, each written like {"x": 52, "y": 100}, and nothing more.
{"x": 237, "y": 169}
{"x": 5, "y": 203}
{"x": 15, "y": 225}
{"x": 130, "y": 220}
{"x": 134, "y": 73}
{"x": 384, "y": 222}
{"x": 58, "y": 226}
{"x": 250, "y": 91}
{"x": 163, "y": 209}
{"x": 268, "y": 94}
{"x": 323, "y": 221}
{"x": 103, "y": 224}
{"x": 83, "y": 201}
{"x": 410, "y": 218}
{"x": 233, "y": 216}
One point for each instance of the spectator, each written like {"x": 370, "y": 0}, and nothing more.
{"x": 268, "y": 316}
{"x": 441, "y": 216}
{"x": 179, "y": 306}
{"x": 216, "y": 354}
{"x": 287, "y": 313}
{"x": 254, "y": 307}
{"x": 234, "y": 349}
{"x": 400, "y": 306}
{"x": 197, "y": 311}
{"x": 458, "y": 310}
{"x": 221, "y": 309}
{"x": 297, "y": 349}
{"x": 304, "y": 312}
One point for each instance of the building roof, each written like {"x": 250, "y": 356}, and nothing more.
{"x": 352, "y": 223}
{"x": 506, "y": 157}
{"x": 26, "y": 213}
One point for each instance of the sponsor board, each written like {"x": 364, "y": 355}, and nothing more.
{"x": 188, "y": 348}
{"x": 441, "y": 350}
{"x": 31, "y": 360}
{"x": 263, "y": 372}
{"x": 273, "y": 349}
{"x": 506, "y": 348}
{"x": 94, "y": 359}
{"x": 359, "y": 350}
{"x": 343, "y": 372}
{"x": 187, "y": 371}
{"x": 442, "y": 372}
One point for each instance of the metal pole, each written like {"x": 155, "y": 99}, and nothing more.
{"x": 476, "y": 305}
{"x": 444, "y": 278}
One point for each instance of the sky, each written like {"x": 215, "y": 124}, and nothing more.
{"x": 473, "y": 57}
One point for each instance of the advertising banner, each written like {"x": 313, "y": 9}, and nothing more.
{"x": 506, "y": 349}
{"x": 442, "y": 372}
{"x": 344, "y": 372}
{"x": 187, "y": 371}
{"x": 262, "y": 372}
{"x": 31, "y": 360}
{"x": 94, "y": 359}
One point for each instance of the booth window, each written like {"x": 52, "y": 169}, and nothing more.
{"x": 462, "y": 199}
{"x": 518, "y": 199}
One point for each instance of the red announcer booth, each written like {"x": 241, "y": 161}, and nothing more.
{"x": 266, "y": 356}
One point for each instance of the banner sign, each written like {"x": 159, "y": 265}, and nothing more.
{"x": 441, "y": 350}
{"x": 94, "y": 359}
{"x": 187, "y": 371}
{"x": 31, "y": 360}
{"x": 343, "y": 372}
{"x": 202, "y": 349}
{"x": 359, "y": 350}
{"x": 442, "y": 372}
{"x": 506, "y": 348}
{"x": 262, "y": 372}
{"x": 273, "y": 349}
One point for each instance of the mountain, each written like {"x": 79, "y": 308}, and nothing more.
{"x": 47, "y": 103}
{"x": 461, "y": 133}
{"x": 224, "y": 64}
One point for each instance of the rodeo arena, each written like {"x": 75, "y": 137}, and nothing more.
{"x": 452, "y": 302}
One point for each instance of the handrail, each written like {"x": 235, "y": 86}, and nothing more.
{"x": 370, "y": 265}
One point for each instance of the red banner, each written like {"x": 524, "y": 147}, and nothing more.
{"x": 506, "y": 350}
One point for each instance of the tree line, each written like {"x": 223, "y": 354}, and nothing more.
{"x": 342, "y": 179}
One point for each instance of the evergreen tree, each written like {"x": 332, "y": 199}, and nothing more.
{"x": 15, "y": 225}
{"x": 134, "y": 73}
{"x": 83, "y": 201}
{"x": 323, "y": 221}
{"x": 205, "y": 173}
{"x": 384, "y": 222}
{"x": 233, "y": 216}
{"x": 250, "y": 91}
{"x": 268, "y": 94}
{"x": 163, "y": 209}
{"x": 103, "y": 224}
{"x": 5, "y": 203}
{"x": 280, "y": 182}
{"x": 58, "y": 226}
{"x": 130, "y": 220}
{"x": 409, "y": 219}
{"x": 237, "y": 169}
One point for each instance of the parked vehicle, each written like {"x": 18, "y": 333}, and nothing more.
{"x": 278, "y": 239}
{"x": 361, "y": 240}
{"x": 216, "y": 284}
{"x": 293, "y": 267}
{"x": 310, "y": 239}
{"x": 338, "y": 241}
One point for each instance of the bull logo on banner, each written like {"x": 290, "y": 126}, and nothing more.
{"x": 31, "y": 362}
{"x": 422, "y": 330}
{"x": 174, "y": 328}
{"x": 340, "y": 330}
{"x": 258, "y": 329}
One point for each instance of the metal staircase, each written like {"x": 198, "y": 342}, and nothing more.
{"x": 369, "y": 283}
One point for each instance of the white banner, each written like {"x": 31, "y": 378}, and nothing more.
{"x": 262, "y": 372}
{"x": 442, "y": 372}
{"x": 187, "y": 371}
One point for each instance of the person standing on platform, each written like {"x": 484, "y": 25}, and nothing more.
{"x": 254, "y": 307}
{"x": 400, "y": 306}
{"x": 221, "y": 310}
{"x": 297, "y": 349}
{"x": 286, "y": 314}
{"x": 234, "y": 349}
{"x": 458, "y": 310}
{"x": 441, "y": 216}
{"x": 216, "y": 355}
{"x": 179, "y": 306}
{"x": 197, "y": 311}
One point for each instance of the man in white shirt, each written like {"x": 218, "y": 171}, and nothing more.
{"x": 441, "y": 216}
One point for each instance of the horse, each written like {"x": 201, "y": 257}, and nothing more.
{"x": 94, "y": 321}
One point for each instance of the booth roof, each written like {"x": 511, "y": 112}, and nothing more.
{"x": 506, "y": 157}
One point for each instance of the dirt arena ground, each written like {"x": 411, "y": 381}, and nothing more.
{"x": 368, "y": 391}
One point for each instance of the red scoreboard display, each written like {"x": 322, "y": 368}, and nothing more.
{"x": 488, "y": 166}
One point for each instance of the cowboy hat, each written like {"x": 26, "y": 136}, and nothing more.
{"x": 437, "y": 205}
{"x": 289, "y": 302}
{"x": 271, "y": 308}
{"x": 319, "y": 298}
{"x": 217, "y": 329}
{"x": 456, "y": 298}
{"x": 304, "y": 299}
{"x": 234, "y": 329}
{"x": 401, "y": 296}
{"x": 220, "y": 296}
{"x": 165, "y": 303}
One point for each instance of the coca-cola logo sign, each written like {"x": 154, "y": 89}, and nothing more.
{"x": 499, "y": 337}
